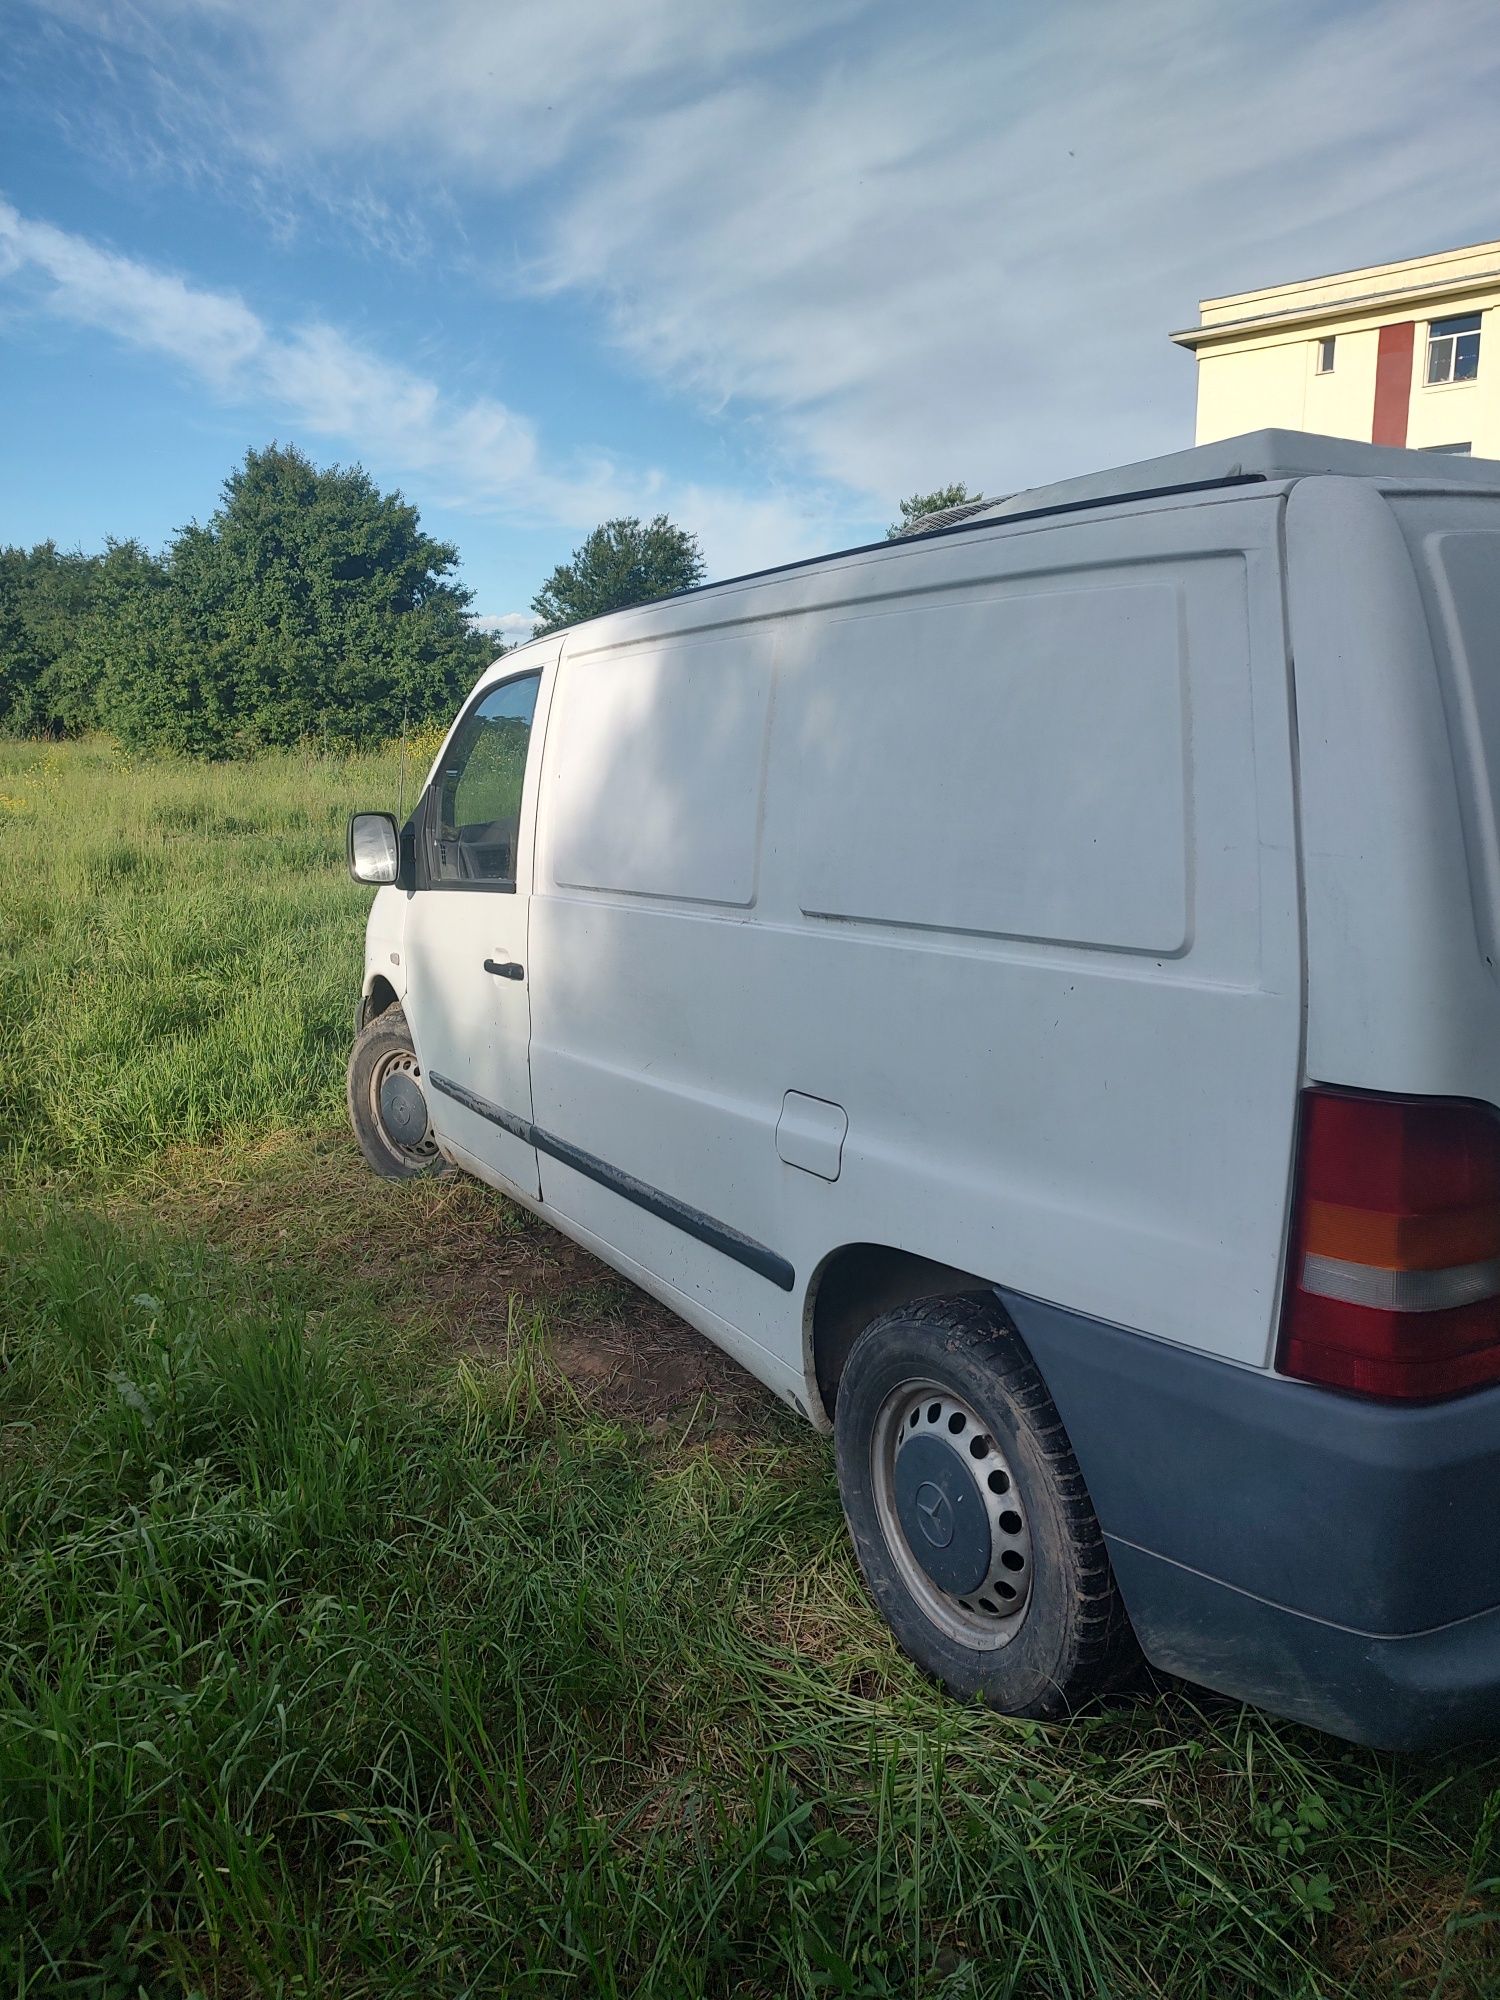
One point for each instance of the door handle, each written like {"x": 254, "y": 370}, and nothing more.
{"x": 505, "y": 968}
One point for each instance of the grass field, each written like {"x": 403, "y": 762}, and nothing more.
{"x": 392, "y": 1602}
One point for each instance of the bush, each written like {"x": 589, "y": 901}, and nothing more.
{"x": 310, "y": 607}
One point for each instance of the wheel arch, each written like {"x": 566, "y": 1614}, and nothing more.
{"x": 378, "y": 998}
{"x": 853, "y": 1285}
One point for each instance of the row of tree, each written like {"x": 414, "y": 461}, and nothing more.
{"x": 311, "y": 606}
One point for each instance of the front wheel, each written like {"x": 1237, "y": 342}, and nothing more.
{"x": 387, "y": 1105}
{"x": 968, "y": 1511}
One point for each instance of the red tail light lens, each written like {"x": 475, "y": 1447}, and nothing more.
{"x": 1394, "y": 1284}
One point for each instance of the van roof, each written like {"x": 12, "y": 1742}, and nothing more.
{"x": 1255, "y": 456}
{"x": 1249, "y": 460}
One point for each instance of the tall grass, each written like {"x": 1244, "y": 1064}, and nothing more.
{"x": 181, "y": 946}
{"x": 323, "y": 1670}
{"x": 332, "y": 1665}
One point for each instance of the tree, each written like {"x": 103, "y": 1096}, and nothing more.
{"x": 44, "y": 593}
{"x": 127, "y": 585}
{"x": 310, "y": 607}
{"x": 919, "y": 504}
{"x": 623, "y": 562}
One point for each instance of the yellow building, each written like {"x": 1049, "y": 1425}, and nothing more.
{"x": 1403, "y": 354}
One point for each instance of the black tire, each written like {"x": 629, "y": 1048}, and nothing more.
{"x": 1071, "y": 1635}
{"x": 384, "y": 1045}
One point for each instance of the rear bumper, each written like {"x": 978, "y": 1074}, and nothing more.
{"x": 1419, "y": 1691}
{"x": 1333, "y": 1560}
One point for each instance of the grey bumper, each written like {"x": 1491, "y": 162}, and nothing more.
{"x": 1334, "y": 1560}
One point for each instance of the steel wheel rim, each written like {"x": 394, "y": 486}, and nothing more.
{"x": 404, "y": 1061}
{"x": 990, "y": 1615}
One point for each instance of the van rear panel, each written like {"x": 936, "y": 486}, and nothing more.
{"x": 1366, "y": 1599}
{"x": 1392, "y": 595}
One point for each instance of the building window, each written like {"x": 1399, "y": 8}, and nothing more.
{"x": 1453, "y": 450}
{"x": 1325, "y": 354}
{"x": 1453, "y": 350}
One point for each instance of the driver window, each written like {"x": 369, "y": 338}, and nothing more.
{"x": 475, "y": 810}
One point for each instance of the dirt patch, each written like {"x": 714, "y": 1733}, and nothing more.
{"x": 621, "y": 1350}
{"x": 456, "y": 1253}
{"x": 1433, "y": 1934}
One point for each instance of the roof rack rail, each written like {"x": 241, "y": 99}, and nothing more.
{"x": 966, "y": 527}
{"x": 1254, "y": 459}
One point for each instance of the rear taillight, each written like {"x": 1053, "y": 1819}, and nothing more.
{"x": 1394, "y": 1282}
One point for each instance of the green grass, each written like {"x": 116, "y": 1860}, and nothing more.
{"x": 344, "y": 1653}
{"x": 182, "y": 948}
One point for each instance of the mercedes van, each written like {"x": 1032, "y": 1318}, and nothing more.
{"x": 1030, "y": 991}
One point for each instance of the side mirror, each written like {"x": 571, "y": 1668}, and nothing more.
{"x": 374, "y": 848}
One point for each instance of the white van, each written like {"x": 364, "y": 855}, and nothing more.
{"x": 1031, "y": 993}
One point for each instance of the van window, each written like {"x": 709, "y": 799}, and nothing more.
{"x": 474, "y": 810}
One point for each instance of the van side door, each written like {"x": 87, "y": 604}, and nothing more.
{"x": 468, "y": 998}
{"x": 655, "y": 1107}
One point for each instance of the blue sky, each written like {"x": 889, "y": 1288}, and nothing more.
{"x": 764, "y": 264}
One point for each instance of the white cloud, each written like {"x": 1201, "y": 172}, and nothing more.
{"x": 214, "y": 332}
{"x": 282, "y": 105}
{"x": 913, "y": 244}
{"x": 511, "y": 628}
{"x": 369, "y": 106}
{"x": 504, "y": 87}
{"x": 957, "y": 252}
{"x": 475, "y": 452}
{"x": 312, "y": 374}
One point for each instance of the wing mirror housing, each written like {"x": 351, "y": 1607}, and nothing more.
{"x": 375, "y": 848}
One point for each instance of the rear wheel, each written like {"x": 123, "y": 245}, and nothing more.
{"x": 968, "y": 1511}
{"x": 387, "y": 1104}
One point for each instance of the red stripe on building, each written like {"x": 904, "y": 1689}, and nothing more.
{"x": 1393, "y": 383}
